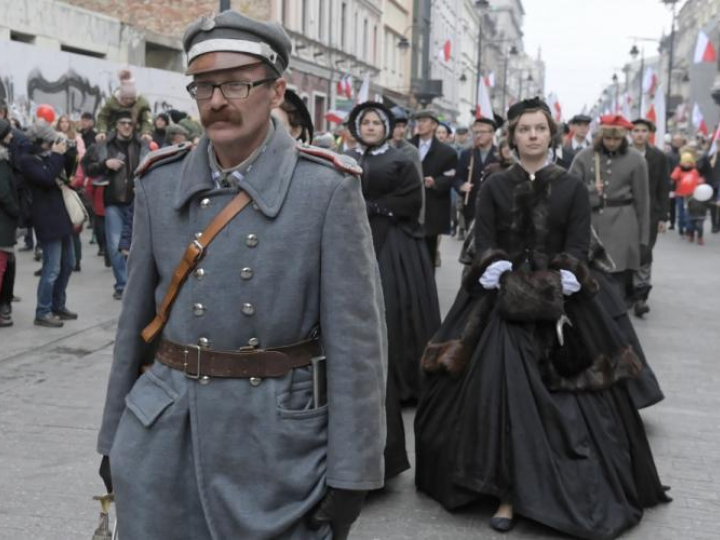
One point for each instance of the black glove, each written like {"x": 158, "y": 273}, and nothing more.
{"x": 645, "y": 255}
{"x": 340, "y": 508}
{"x": 105, "y": 473}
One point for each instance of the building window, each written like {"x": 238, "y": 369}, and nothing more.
{"x": 321, "y": 26}
{"x": 22, "y": 38}
{"x": 285, "y": 4}
{"x": 161, "y": 57}
{"x": 365, "y": 54}
{"x": 319, "y": 117}
{"x": 303, "y": 7}
{"x": 375, "y": 45}
{"x": 85, "y": 52}
{"x": 343, "y": 27}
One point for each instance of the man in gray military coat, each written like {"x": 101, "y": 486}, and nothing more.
{"x": 255, "y": 450}
{"x": 617, "y": 179}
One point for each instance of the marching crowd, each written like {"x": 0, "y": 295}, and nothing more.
{"x": 528, "y": 391}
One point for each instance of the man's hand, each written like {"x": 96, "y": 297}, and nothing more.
{"x": 339, "y": 508}
{"x": 429, "y": 182}
{"x": 466, "y": 187}
{"x": 114, "y": 164}
{"x": 59, "y": 147}
{"x": 100, "y": 137}
{"x": 146, "y": 137}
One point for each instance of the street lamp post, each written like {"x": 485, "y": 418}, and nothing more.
{"x": 672, "y": 4}
{"x": 480, "y": 5}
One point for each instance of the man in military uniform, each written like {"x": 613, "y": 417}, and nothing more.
{"x": 231, "y": 432}
{"x": 617, "y": 179}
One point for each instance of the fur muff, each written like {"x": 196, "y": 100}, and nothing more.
{"x": 565, "y": 261}
{"x": 601, "y": 374}
{"x": 530, "y": 296}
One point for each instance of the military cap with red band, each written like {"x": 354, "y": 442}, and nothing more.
{"x": 615, "y": 121}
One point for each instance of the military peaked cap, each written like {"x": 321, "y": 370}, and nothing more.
{"x": 231, "y": 32}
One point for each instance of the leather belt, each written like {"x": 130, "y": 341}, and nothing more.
{"x": 612, "y": 204}
{"x": 196, "y": 362}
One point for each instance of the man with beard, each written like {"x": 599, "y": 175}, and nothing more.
{"x": 439, "y": 161}
{"x": 659, "y": 190}
{"x": 616, "y": 177}
{"x": 262, "y": 415}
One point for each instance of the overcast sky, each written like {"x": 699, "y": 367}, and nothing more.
{"x": 584, "y": 42}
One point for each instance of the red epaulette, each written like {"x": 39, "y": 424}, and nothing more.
{"x": 167, "y": 154}
{"x": 341, "y": 162}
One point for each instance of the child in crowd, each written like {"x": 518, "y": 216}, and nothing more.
{"x": 686, "y": 178}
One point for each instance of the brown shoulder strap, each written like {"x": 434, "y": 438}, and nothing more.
{"x": 192, "y": 256}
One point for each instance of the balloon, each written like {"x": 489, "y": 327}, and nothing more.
{"x": 46, "y": 112}
{"x": 153, "y": 146}
{"x": 703, "y": 193}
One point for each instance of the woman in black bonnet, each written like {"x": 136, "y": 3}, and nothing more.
{"x": 393, "y": 195}
{"x": 525, "y": 396}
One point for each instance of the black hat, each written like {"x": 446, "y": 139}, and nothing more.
{"x": 303, "y": 115}
{"x": 401, "y": 116}
{"x": 648, "y": 123}
{"x": 230, "y": 32}
{"x": 461, "y": 130}
{"x": 531, "y": 104}
{"x": 5, "y": 128}
{"x": 177, "y": 115}
{"x": 358, "y": 112}
{"x": 87, "y": 116}
{"x": 496, "y": 121}
{"x": 580, "y": 119}
{"x": 123, "y": 113}
{"x": 426, "y": 113}
{"x": 164, "y": 116}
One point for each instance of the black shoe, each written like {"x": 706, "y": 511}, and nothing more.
{"x": 37, "y": 272}
{"x": 49, "y": 320}
{"x": 5, "y": 321}
{"x": 38, "y": 255}
{"x": 502, "y": 524}
{"x": 5, "y": 310}
{"x": 117, "y": 295}
{"x": 101, "y": 252}
{"x": 641, "y": 308}
{"x": 65, "y": 314}
{"x": 77, "y": 267}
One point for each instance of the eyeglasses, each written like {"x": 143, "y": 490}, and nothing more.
{"x": 229, "y": 89}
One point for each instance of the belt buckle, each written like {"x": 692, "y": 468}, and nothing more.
{"x": 186, "y": 351}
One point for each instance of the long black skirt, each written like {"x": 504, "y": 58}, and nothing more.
{"x": 412, "y": 315}
{"x": 578, "y": 462}
{"x": 645, "y": 390}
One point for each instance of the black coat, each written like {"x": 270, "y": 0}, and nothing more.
{"x": 9, "y": 210}
{"x": 478, "y": 174}
{"x": 659, "y": 189}
{"x": 392, "y": 192}
{"x": 439, "y": 163}
{"x": 49, "y": 216}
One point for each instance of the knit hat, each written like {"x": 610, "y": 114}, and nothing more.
{"x": 41, "y": 131}
{"x": 5, "y": 128}
{"x": 127, "y": 85}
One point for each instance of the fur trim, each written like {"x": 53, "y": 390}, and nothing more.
{"x": 565, "y": 261}
{"x": 603, "y": 373}
{"x": 530, "y": 296}
{"x": 449, "y": 356}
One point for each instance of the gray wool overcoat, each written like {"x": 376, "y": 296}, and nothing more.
{"x": 621, "y": 229}
{"x": 226, "y": 459}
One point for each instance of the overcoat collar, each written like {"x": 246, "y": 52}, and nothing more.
{"x": 267, "y": 183}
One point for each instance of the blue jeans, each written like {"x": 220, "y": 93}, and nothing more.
{"x": 115, "y": 218}
{"x": 681, "y": 217}
{"x": 58, "y": 261}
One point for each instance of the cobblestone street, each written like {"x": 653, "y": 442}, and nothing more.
{"x": 52, "y": 386}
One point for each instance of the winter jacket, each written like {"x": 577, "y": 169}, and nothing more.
{"x": 686, "y": 180}
{"x": 9, "y": 209}
{"x": 140, "y": 110}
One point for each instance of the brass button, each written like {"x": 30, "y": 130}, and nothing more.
{"x": 255, "y": 381}
{"x": 246, "y": 273}
{"x": 251, "y": 240}
{"x": 198, "y": 309}
{"x": 198, "y": 235}
{"x": 203, "y": 342}
{"x": 205, "y": 203}
{"x": 199, "y": 273}
{"x": 248, "y": 309}
{"x": 204, "y": 380}
{"x": 254, "y": 342}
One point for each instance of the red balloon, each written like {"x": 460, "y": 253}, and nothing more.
{"x": 153, "y": 146}
{"x": 46, "y": 112}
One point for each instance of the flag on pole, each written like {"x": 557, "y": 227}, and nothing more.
{"x": 626, "y": 103}
{"x": 483, "y": 108}
{"x": 699, "y": 121}
{"x": 445, "y": 51}
{"x": 490, "y": 79}
{"x": 704, "y": 49}
{"x": 650, "y": 81}
{"x": 555, "y": 106}
{"x": 336, "y": 116}
{"x": 349, "y": 86}
{"x": 364, "y": 92}
{"x": 713, "y": 147}
{"x": 660, "y": 116}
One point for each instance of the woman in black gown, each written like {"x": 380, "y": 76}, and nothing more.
{"x": 518, "y": 405}
{"x": 393, "y": 195}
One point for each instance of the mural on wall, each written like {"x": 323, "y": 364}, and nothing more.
{"x": 73, "y": 84}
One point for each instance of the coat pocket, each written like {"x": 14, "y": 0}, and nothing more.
{"x": 297, "y": 402}
{"x": 149, "y": 398}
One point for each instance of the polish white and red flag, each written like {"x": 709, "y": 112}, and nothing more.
{"x": 445, "y": 51}
{"x": 555, "y": 107}
{"x": 704, "y": 49}
{"x": 348, "y": 83}
{"x": 483, "y": 109}
{"x": 364, "y": 92}
{"x": 713, "y": 147}
{"x": 490, "y": 79}
{"x": 699, "y": 121}
{"x": 650, "y": 81}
